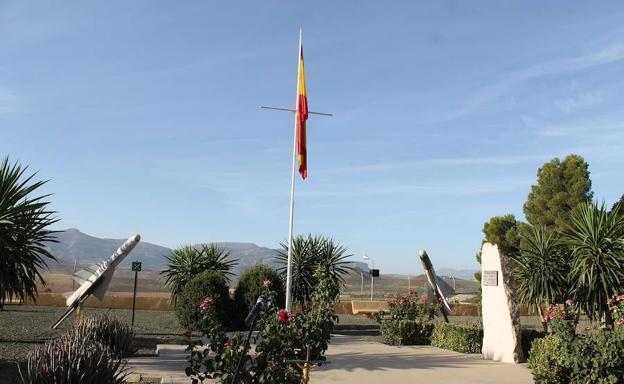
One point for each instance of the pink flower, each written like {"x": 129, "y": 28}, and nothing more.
{"x": 424, "y": 299}
{"x": 283, "y": 315}
{"x": 552, "y": 315}
{"x": 188, "y": 333}
{"x": 569, "y": 302}
{"x": 227, "y": 343}
{"x": 440, "y": 299}
{"x": 621, "y": 321}
{"x": 620, "y": 298}
{"x": 207, "y": 302}
{"x": 266, "y": 283}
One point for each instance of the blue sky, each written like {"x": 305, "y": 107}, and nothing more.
{"x": 144, "y": 115}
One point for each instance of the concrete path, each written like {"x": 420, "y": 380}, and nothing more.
{"x": 354, "y": 360}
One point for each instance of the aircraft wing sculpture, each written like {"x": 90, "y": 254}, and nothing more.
{"x": 435, "y": 283}
{"x": 95, "y": 279}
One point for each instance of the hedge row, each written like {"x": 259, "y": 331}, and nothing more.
{"x": 462, "y": 338}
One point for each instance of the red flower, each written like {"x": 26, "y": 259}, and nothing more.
{"x": 424, "y": 299}
{"x": 569, "y": 302}
{"x": 621, "y": 322}
{"x": 207, "y": 302}
{"x": 440, "y": 299}
{"x": 266, "y": 283}
{"x": 283, "y": 315}
{"x": 552, "y": 315}
{"x": 227, "y": 343}
{"x": 188, "y": 333}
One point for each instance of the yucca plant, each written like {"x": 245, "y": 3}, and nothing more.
{"x": 24, "y": 222}
{"x": 116, "y": 335}
{"x": 540, "y": 269}
{"x": 69, "y": 359}
{"x": 309, "y": 252}
{"x": 595, "y": 239}
{"x": 188, "y": 261}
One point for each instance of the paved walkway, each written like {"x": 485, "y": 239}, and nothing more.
{"x": 353, "y": 360}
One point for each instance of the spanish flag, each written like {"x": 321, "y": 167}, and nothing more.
{"x": 302, "y": 116}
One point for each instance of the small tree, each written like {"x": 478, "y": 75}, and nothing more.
{"x": 596, "y": 243}
{"x": 539, "y": 269}
{"x": 561, "y": 186}
{"x": 188, "y": 261}
{"x": 24, "y": 232}
{"x": 503, "y": 231}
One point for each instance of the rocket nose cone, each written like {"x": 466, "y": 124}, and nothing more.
{"x": 137, "y": 237}
{"x": 422, "y": 253}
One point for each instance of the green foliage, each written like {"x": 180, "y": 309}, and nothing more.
{"x": 503, "y": 231}
{"x": 282, "y": 336}
{"x": 308, "y": 253}
{"x": 457, "y": 337}
{"x": 24, "y": 223}
{"x": 594, "y": 358}
{"x": 619, "y": 203}
{"x": 69, "y": 359}
{"x": 406, "y": 332}
{"x": 596, "y": 243}
{"x": 109, "y": 331}
{"x": 188, "y": 261}
{"x": 252, "y": 284}
{"x": 547, "y": 361}
{"x": 207, "y": 284}
{"x": 540, "y": 268}
{"x": 561, "y": 186}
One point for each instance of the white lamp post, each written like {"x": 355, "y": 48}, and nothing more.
{"x": 371, "y": 266}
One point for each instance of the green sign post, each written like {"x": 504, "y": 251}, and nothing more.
{"x": 136, "y": 267}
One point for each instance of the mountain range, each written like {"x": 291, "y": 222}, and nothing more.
{"x": 76, "y": 246}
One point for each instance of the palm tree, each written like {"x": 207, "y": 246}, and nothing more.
{"x": 309, "y": 252}
{"x": 187, "y": 261}
{"x": 24, "y": 222}
{"x": 596, "y": 243}
{"x": 540, "y": 269}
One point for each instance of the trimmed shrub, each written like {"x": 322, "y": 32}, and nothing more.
{"x": 593, "y": 358}
{"x": 457, "y": 337}
{"x": 69, "y": 359}
{"x": 206, "y": 284}
{"x": 547, "y": 361}
{"x": 252, "y": 284}
{"x": 406, "y": 332}
{"x": 109, "y": 331}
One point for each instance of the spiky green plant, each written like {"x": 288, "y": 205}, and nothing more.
{"x": 69, "y": 359}
{"x": 540, "y": 269}
{"x": 113, "y": 333}
{"x": 188, "y": 261}
{"x": 309, "y": 252}
{"x": 595, "y": 239}
{"x": 24, "y": 222}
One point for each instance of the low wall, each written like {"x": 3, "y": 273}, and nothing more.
{"x": 109, "y": 301}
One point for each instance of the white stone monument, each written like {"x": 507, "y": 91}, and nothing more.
{"x": 501, "y": 318}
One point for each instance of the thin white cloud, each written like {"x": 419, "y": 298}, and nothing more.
{"x": 485, "y": 95}
{"x": 451, "y": 161}
{"x": 583, "y": 101}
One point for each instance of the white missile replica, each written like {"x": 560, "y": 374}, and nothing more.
{"x": 94, "y": 280}
{"x": 435, "y": 282}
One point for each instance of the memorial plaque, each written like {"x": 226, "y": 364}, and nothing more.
{"x": 490, "y": 278}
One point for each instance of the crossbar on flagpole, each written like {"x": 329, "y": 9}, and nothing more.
{"x": 294, "y": 110}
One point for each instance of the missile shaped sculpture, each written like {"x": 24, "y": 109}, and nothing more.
{"x": 434, "y": 283}
{"x": 95, "y": 279}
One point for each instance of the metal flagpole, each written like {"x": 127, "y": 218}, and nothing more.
{"x": 292, "y": 181}
{"x": 292, "y": 189}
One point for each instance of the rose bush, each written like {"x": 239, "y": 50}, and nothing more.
{"x": 282, "y": 336}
